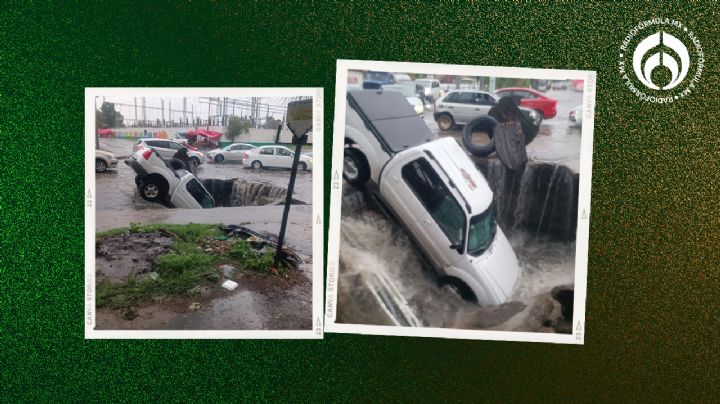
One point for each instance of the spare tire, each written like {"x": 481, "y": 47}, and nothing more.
{"x": 508, "y": 110}
{"x": 176, "y": 164}
{"x": 485, "y": 124}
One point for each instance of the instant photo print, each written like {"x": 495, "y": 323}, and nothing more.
{"x": 460, "y": 201}
{"x": 191, "y": 230}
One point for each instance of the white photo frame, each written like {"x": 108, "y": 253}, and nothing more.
{"x": 583, "y": 213}
{"x": 316, "y": 332}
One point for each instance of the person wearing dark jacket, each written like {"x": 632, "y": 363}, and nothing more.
{"x": 183, "y": 156}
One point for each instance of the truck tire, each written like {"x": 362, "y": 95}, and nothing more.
{"x": 176, "y": 164}
{"x": 485, "y": 124}
{"x": 153, "y": 188}
{"x": 356, "y": 170}
{"x": 195, "y": 161}
{"x": 459, "y": 287}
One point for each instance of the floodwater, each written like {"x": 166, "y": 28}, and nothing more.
{"x": 383, "y": 281}
{"x": 116, "y": 188}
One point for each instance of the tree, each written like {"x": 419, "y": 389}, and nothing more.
{"x": 99, "y": 121}
{"x": 236, "y": 126}
{"x": 271, "y": 123}
{"x": 110, "y": 117}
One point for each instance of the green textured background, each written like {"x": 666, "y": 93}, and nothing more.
{"x": 652, "y": 308}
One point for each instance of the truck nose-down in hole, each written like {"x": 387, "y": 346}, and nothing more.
{"x": 432, "y": 188}
{"x": 159, "y": 181}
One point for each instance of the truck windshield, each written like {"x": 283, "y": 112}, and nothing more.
{"x": 198, "y": 192}
{"x": 482, "y": 232}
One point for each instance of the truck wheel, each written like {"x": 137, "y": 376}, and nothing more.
{"x": 219, "y": 158}
{"x": 195, "y": 161}
{"x": 458, "y": 287}
{"x": 176, "y": 164}
{"x": 256, "y": 164}
{"x": 153, "y": 189}
{"x": 355, "y": 167}
{"x": 100, "y": 166}
{"x": 485, "y": 124}
{"x": 445, "y": 122}
{"x": 302, "y": 166}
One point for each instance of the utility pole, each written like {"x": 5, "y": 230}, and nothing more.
{"x": 162, "y": 110}
{"x": 209, "y": 105}
{"x": 136, "y": 117}
{"x": 97, "y": 134}
{"x": 143, "y": 112}
{"x": 184, "y": 109}
{"x": 170, "y": 111}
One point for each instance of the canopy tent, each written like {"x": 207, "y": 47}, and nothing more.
{"x": 204, "y": 133}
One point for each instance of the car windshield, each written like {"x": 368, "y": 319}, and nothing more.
{"x": 378, "y": 76}
{"x": 408, "y": 90}
{"x": 482, "y": 232}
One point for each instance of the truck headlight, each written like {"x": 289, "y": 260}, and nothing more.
{"x": 419, "y": 108}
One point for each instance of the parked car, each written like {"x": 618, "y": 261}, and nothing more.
{"x": 159, "y": 180}
{"x": 372, "y": 85}
{"x": 408, "y": 90}
{"x": 459, "y": 107}
{"x": 541, "y": 85}
{"x": 431, "y": 88}
{"x": 431, "y": 188}
{"x": 531, "y": 99}
{"x": 576, "y": 116}
{"x": 577, "y": 85}
{"x": 233, "y": 152}
{"x": 380, "y": 77}
{"x": 104, "y": 160}
{"x": 276, "y": 157}
{"x": 560, "y": 85}
{"x": 168, "y": 148}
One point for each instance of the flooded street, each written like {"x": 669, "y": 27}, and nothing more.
{"x": 117, "y": 191}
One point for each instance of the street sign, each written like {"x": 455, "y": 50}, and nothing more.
{"x": 300, "y": 119}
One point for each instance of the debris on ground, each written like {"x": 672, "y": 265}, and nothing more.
{"x": 195, "y": 307}
{"x": 229, "y": 285}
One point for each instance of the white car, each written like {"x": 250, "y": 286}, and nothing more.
{"x": 233, "y": 152}
{"x": 158, "y": 182}
{"x": 576, "y": 116}
{"x": 104, "y": 160}
{"x": 459, "y": 107}
{"x": 168, "y": 148}
{"x": 276, "y": 157}
{"x": 431, "y": 88}
{"x": 433, "y": 189}
{"x": 408, "y": 90}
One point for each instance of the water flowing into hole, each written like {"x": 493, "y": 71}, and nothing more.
{"x": 384, "y": 282}
{"x": 241, "y": 192}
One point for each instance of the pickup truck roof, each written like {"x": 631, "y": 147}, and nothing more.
{"x": 390, "y": 118}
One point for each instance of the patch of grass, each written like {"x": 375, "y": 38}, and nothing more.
{"x": 192, "y": 232}
{"x": 251, "y": 258}
{"x": 179, "y": 271}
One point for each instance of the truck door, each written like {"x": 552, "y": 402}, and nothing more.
{"x": 418, "y": 195}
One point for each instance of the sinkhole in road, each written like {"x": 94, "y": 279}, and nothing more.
{"x": 384, "y": 282}
{"x": 242, "y": 192}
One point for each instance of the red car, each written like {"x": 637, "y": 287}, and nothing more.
{"x": 532, "y": 99}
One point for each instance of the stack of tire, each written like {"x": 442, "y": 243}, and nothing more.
{"x": 505, "y": 111}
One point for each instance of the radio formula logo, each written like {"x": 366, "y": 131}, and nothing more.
{"x": 661, "y": 55}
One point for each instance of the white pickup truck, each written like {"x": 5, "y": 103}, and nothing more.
{"x": 434, "y": 190}
{"x": 158, "y": 181}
